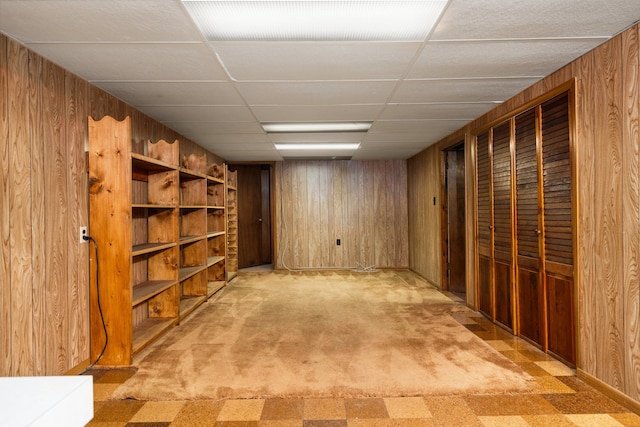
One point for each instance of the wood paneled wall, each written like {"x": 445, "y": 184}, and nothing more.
{"x": 607, "y": 153}
{"x": 425, "y": 216}
{"x": 44, "y": 269}
{"x": 362, "y": 203}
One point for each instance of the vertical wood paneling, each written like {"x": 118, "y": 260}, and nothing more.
{"x": 5, "y": 253}
{"x": 608, "y": 213}
{"x": 78, "y": 253}
{"x": 38, "y": 87}
{"x": 631, "y": 194}
{"x": 353, "y": 201}
{"x": 21, "y": 277}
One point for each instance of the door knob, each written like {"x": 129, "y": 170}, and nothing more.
{"x": 260, "y": 220}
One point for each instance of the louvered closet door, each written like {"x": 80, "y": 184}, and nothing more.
{"x": 485, "y": 292}
{"x": 558, "y": 241}
{"x": 502, "y": 227}
{"x": 530, "y": 296}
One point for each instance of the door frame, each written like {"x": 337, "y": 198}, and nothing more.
{"x": 272, "y": 205}
{"x": 444, "y": 212}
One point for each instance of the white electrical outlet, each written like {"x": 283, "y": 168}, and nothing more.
{"x": 83, "y": 233}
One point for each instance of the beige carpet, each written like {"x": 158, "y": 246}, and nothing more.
{"x": 339, "y": 334}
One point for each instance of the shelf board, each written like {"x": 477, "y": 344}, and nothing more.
{"x": 147, "y": 248}
{"x": 185, "y": 240}
{"x": 150, "y": 329}
{"x": 188, "y": 304}
{"x": 215, "y": 207}
{"x": 145, "y": 290}
{"x": 214, "y": 260}
{"x": 216, "y": 180}
{"x": 147, "y": 163}
{"x": 193, "y": 207}
{"x": 186, "y": 272}
{"x": 215, "y": 234}
{"x": 151, "y": 206}
{"x": 213, "y": 287}
{"x": 231, "y": 187}
{"x": 187, "y": 174}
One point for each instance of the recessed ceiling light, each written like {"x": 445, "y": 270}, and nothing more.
{"x": 335, "y": 20}
{"x": 316, "y": 127}
{"x": 330, "y": 146}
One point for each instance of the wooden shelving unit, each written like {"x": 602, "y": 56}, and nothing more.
{"x": 161, "y": 232}
{"x": 232, "y": 224}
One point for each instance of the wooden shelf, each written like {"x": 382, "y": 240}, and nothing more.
{"x": 214, "y": 260}
{"x": 143, "y": 291}
{"x": 216, "y": 234}
{"x": 151, "y": 206}
{"x": 185, "y": 240}
{"x": 147, "y": 163}
{"x": 231, "y": 275}
{"x": 149, "y": 330}
{"x": 215, "y": 207}
{"x": 147, "y": 248}
{"x": 214, "y": 286}
{"x": 188, "y": 304}
{"x": 186, "y": 272}
{"x": 216, "y": 180}
{"x": 186, "y": 174}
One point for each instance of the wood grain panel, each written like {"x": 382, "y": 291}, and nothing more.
{"x": 631, "y": 219}
{"x": 353, "y": 201}
{"x": 78, "y": 254}
{"x": 21, "y": 277}
{"x": 608, "y": 213}
{"x": 5, "y": 250}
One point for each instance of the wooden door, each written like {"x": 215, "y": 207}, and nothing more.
{"x": 529, "y": 285}
{"x": 453, "y": 213}
{"x": 558, "y": 228}
{"x": 254, "y": 222}
{"x": 485, "y": 224}
{"x": 502, "y": 226}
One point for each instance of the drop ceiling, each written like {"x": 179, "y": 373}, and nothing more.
{"x": 151, "y": 54}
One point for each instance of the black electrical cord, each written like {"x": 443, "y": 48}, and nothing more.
{"x": 104, "y": 325}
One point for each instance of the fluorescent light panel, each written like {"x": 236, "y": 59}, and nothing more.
{"x": 315, "y": 20}
{"x": 316, "y": 127}
{"x": 331, "y": 146}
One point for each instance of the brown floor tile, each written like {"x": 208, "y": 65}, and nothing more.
{"x": 283, "y": 409}
{"x": 556, "y": 368}
{"x": 504, "y": 421}
{"x": 118, "y": 410}
{"x": 103, "y": 392}
{"x": 409, "y": 422}
{"x": 241, "y": 410}
{"x": 148, "y": 424}
{"x": 451, "y": 411}
{"x": 495, "y": 405}
{"x": 324, "y": 423}
{"x": 280, "y": 423}
{"x": 158, "y": 412}
{"x": 535, "y": 355}
{"x": 115, "y": 376}
{"x": 551, "y": 385}
{"x": 548, "y": 421}
{"x": 590, "y": 402}
{"x": 499, "y": 345}
{"x": 576, "y": 383}
{"x": 532, "y": 369}
{"x": 198, "y": 414}
{"x": 365, "y": 408}
{"x": 369, "y": 422}
{"x": 324, "y": 409}
{"x": 590, "y": 420}
{"x": 407, "y": 407}
{"x": 474, "y": 327}
{"x": 515, "y": 356}
{"x": 628, "y": 420}
{"x": 107, "y": 424}
{"x": 236, "y": 424}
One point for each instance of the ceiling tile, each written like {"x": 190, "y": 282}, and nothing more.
{"x": 415, "y": 126}
{"x": 491, "y": 19}
{"x": 452, "y": 111}
{"x": 498, "y": 58}
{"x": 381, "y": 154}
{"x": 97, "y": 20}
{"x": 197, "y": 113}
{"x": 316, "y": 93}
{"x": 136, "y": 61}
{"x": 208, "y": 128}
{"x": 460, "y": 90}
{"x": 317, "y": 137}
{"x": 173, "y": 93}
{"x": 317, "y": 113}
{"x": 315, "y": 60}
{"x": 248, "y": 156}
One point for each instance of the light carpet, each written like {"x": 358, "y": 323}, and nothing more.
{"x": 322, "y": 334}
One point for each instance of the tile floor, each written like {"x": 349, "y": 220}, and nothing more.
{"x": 559, "y": 399}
